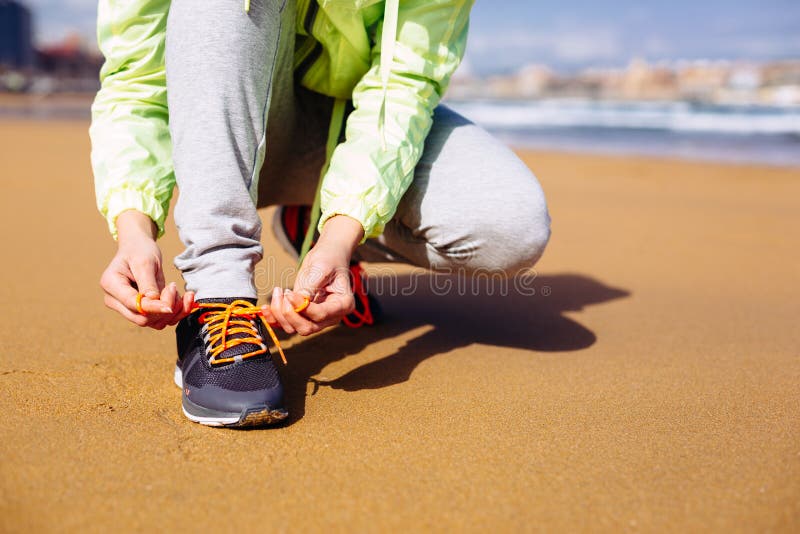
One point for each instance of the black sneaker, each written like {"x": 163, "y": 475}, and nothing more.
{"x": 289, "y": 224}
{"x": 224, "y": 368}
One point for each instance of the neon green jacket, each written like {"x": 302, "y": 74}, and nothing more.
{"x": 393, "y": 58}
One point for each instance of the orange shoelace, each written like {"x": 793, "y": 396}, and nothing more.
{"x": 225, "y": 320}
{"x": 363, "y": 317}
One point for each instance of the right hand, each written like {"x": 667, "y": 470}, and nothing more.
{"x": 324, "y": 279}
{"x": 136, "y": 268}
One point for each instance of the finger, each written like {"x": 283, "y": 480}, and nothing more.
{"x": 177, "y": 301}
{"x": 114, "y": 304}
{"x": 170, "y": 294}
{"x": 335, "y": 307}
{"x": 301, "y": 325}
{"x": 266, "y": 312}
{"x": 173, "y": 298}
{"x": 155, "y": 306}
{"x": 184, "y": 308}
{"x": 341, "y": 283}
{"x": 302, "y": 293}
{"x": 276, "y": 306}
{"x": 299, "y": 301}
{"x": 160, "y": 305}
{"x": 313, "y": 277}
{"x": 119, "y": 287}
{"x": 147, "y": 319}
{"x": 149, "y": 307}
{"x": 145, "y": 273}
{"x": 188, "y": 303}
{"x": 308, "y": 279}
{"x": 332, "y": 320}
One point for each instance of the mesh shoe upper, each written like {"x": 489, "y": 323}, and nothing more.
{"x": 229, "y": 386}
{"x": 248, "y": 375}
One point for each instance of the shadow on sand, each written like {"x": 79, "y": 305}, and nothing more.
{"x": 458, "y": 316}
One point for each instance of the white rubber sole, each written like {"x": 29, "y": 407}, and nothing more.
{"x": 178, "y": 377}
{"x": 211, "y": 421}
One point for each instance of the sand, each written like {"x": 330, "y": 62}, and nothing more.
{"x": 652, "y": 382}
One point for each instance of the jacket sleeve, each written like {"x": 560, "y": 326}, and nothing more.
{"x": 365, "y": 179}
{"x": 131, "y": 147}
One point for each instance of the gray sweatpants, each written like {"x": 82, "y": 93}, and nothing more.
{"x": 246, "y": 135}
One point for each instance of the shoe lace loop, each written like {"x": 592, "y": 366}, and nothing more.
{"x": 224, "y": 321}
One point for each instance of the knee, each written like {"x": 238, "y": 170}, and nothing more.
{"x": 516, "y": 238}
{"x": 538, "y": 235}
{"x": 506, "y": 235}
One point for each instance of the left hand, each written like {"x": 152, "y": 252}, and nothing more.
{"x": 324, "y": 277}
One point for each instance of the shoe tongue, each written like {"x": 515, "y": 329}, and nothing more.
{"x": 236, "y": 350}
{"x": 227, "y": 300}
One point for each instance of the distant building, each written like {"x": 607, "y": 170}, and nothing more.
{"x": 701, "y": 80}
{"x": 70, "y": 65}
{"x": 642, "y": 81}
{"x": 533, "y": 80}
{"x": 16, "y": 39}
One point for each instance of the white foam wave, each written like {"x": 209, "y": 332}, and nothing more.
{"x": 677, "y": 116}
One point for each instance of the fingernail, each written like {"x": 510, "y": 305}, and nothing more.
{"x": 165, "y": 309}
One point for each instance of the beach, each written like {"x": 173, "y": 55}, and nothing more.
{"x": 647, "y": 378}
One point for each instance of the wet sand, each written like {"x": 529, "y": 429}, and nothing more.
{"x": 651, "y": 383}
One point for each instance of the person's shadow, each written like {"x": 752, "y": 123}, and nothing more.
{"x": 458, "y": 312}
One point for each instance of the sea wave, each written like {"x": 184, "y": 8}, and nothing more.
{"x": 670, "y": 116}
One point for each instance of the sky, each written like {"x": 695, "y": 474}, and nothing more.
{"x": 570, "y": 34}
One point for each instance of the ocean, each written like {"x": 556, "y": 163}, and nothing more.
{"x": 735, "y": 134}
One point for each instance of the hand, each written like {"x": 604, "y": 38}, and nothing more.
{"x": 137, "y": 268}
{"x": 324, "y": 278}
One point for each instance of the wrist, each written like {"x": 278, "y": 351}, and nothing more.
{"x": 343, "y": 232}
{"x": 133, "y": 224}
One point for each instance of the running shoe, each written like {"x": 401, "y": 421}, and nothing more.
{"x": 225, "y": 370}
